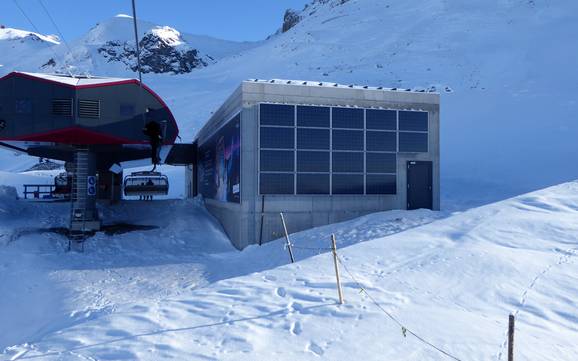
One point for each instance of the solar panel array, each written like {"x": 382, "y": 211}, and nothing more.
{"x": 335, "y": 150}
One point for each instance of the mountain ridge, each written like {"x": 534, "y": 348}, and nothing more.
{"x": 109, "y": 48}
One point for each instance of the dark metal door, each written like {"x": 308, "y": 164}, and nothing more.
{"x": 419, "y": 185}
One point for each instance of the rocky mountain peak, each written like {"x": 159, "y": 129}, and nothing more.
{"x": 162, "y": 51}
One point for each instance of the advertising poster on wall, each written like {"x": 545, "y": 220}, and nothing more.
{"x": 220, "y": 164}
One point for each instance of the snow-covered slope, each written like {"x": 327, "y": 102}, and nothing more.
{"x": 17, "y": 45}
{"x": 181, "y": 292}
{"x": 22, "y": 36}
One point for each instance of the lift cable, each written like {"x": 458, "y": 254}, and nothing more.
{"x": 38, "y": 31}
{"x": 55, "y": 26}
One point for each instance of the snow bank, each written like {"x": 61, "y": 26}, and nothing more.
{"x": 453, "y": 281}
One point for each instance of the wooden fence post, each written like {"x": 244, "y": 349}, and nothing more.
{"x": 334, "y": 250}
{"x": 511, "y": 327}
{"x": 287, "y": 238}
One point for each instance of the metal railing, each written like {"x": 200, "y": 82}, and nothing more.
{"x": 37, "y": 191}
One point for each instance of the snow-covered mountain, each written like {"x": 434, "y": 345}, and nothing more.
{"x": 109, "y": 48}
{"x": 25, "y": 37}
{"x": 505, "y": 68}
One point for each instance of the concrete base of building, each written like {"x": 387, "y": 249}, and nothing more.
{"x": 85, "y": 226}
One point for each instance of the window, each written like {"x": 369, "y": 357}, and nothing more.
{"x": 413, "y": 121}
{"x": 88, "y": 108}
{"x": 308, "y": 116}
{"x": 277, "y": 160}
{"x": 312, "y": 138}
{"x": 381, "y": 119}
{"x": 126, "y": 110}
{"x": 276, "y": 183}
{"x": 23, "y": 106}
{"x": 277, "y": 114}
{"x": 62, "y": 107}
{"x": 344, "y": 162}
{"x": 381, "y": 141}
{"x": 312, "y": 161}
{"x": 413, "y": 142}
{"x": 347, "y": 140}
{"x": 312, "y": 183}
{"x": 277, "y": 138}
{"x": 348, "y": 118}
{"x": 381, "y": 162}
{"x": 347, "y": 183}
{"x": 381, "y": 184}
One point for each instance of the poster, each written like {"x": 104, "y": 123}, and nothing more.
{"x": 220, "y": 164}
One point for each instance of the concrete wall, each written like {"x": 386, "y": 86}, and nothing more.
{"x": 242, "y": 222}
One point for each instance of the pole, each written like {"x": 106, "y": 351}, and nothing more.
{"x": 511, "y": 327}
{"x": 137, "y": 43}
{"x": 334, "y": 250}
{"x": 143, "y": 116}
{"x": 287, "y": 238}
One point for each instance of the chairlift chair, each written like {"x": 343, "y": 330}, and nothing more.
{"x": 146, "y": 184}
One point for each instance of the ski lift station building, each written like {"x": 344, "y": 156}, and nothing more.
{"x": 318, "y": 152}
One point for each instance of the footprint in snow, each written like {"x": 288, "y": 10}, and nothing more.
{"x": 296, "y": 306}
{"x": 315, "y": 349}
{"x": 296, "y": 328}
{"x": 281, "y": 292}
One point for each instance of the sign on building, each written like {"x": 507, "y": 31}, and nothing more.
{"x": 91, "y": 185}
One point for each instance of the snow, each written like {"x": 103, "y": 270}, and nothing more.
{"x": 17, "y": 34}
{"x": 119, "y": 29}
{"x": 314, "y": 83}
{"x": 182, "y": 292}
{"x": 25, "y": 50}
{"x": 16, "y": 180}
{"x": 171, "y": 36}
{"x": 506, "y": 74}
{"x": 75, "y": 81}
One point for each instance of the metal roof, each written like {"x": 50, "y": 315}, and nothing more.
{"x": 343, "y": 86}
{"x": 77, "y": 81}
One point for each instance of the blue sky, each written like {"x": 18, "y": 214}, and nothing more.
{"x": 227, "y": 19}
